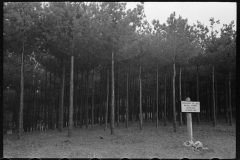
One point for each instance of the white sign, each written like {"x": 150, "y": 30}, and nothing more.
{"x": 189, "y": 106}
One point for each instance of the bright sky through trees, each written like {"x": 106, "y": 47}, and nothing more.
{"x": 193, "y": 11}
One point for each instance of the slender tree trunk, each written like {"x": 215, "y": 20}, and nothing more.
{"x": 216, "y": 99}
{"x": 76, "y": 122}
{"x": 70, "y": 123}
{"x": 53, "y": 100}
{"x": 113, "y": 99}
{"x": 152, "y": 106}
{"x": 20, "y": 125}
{"x": 184, "y": 93}
{"x": 180, "y": 95}
{"x": 165, "y": 98}
{"x": 60, "y": 119}
{"x": 93, "y": 97}
{"x": 230, "y": 104}
{"x": 198, "y": 118}
{"x": 34, "y": 104}
{"x": 100, "y": 109}
{"x": 226, "y": 100}
{"x": 118, "y": 100}
{"x": 213, "y": 98}
{"x": 134, "y": 110}
{"x": 127, "y": 98}
{"x": 86, "y": 107}
{"x": 147, "y": 100}
{"x": 140, "y": 98}
{"x": 208, "y": 103}
{"x": 65, "y": 105}
{"x": 174, "y": 104}
{"x": 41, "y": 110}
{"x": 50, "y": 101}
{"x": 106, "y": 114}
{"x": 157, "y": 98}
{"x": 45, "y": 104}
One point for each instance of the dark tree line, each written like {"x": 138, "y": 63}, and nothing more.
{"x": 75, "y": 64}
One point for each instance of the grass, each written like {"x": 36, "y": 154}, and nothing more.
{"x": 130, "y": 142}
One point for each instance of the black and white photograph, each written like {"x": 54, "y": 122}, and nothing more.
{"x": 119, "y": 80}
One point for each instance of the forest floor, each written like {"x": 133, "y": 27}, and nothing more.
{"x": 130, "y": 142}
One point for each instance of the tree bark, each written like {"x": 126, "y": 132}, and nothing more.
{"x": 174, "y": 104}
{"x": 106, "y": 114}
{"x": 230, "y": 104}
{"x": 157, "y": 98}
{"x": 140, "y": 98}
{"x": 70, "y": 123}
{"x": 118, "y": 100}
{"x": 180, "y": 95}
{"x": 127, "y": 98}
{"x": 184, "y": 94}
{"x": 53, "y": 100}
{"x": 86, "y": 106}
{"x": 226, "y": 100}
{"x": 76, "y": 111}
{"x": 20, "y": 125}
{"x": 45, "y": 104}
{"x": 60, "y": 119}
{"x": 50, "y": 101}
{"x": 93, "y": 98}
{"x": 100, "y": 109}
{"x": 213, "y": 98}
{"x": 165, "y": 98}
{"x": 216, "y": 99}
{"x": 198, "y": 118}
{"x": 113, "y": 99}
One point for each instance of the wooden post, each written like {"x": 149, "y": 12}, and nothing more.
{"x": 189, "y": 123}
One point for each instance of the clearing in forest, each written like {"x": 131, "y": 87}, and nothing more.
{"x": 130, "y": 142}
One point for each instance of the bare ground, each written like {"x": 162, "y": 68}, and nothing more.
{"x": 130, "y": 142}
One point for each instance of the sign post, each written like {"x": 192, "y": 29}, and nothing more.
{"x": 188, "y": 106}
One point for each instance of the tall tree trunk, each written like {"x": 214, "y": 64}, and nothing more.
{"x": 100, "y": 109}
{"x": 41, "y": 97}
{"x": 106, "y": 114}
{"x": 76, "y": 122}
{"x": 50, "y": 101}
{"x": 208, "y": 102}
{"x": 118, "y": 100}
{"x": 140, "y": 98}
{"x": 165, "y": 98}
{"x": 180, "y": 95}
{"x": 216, "y": 99}
{"x": 134, "y": 110}
{"x": 20, "y": 124}
{"x": 198, "y": 118}
{"x": 45, "y": 104}
{"x": 93, "y": 97}
{"x": 174, "y": 104}
{"x": 34, "y": 104}
{"x": 70, "y": 123}
{"x": 147, "y": 100}
{"x": 82, "y": 102}
{"x": 53, "y": 99}
{"x": 184, "y": 93}
{"x": 60, "y": 118}
{"x": 127, "y": 104}
{"x": 86, "y": 106}
{"x": 226, "y": 100}
{"x": 113, "y": 99}
{"x": 230, "y": 104}
{"x": 213, "y": 98}
{"x": 157, "y": 99}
